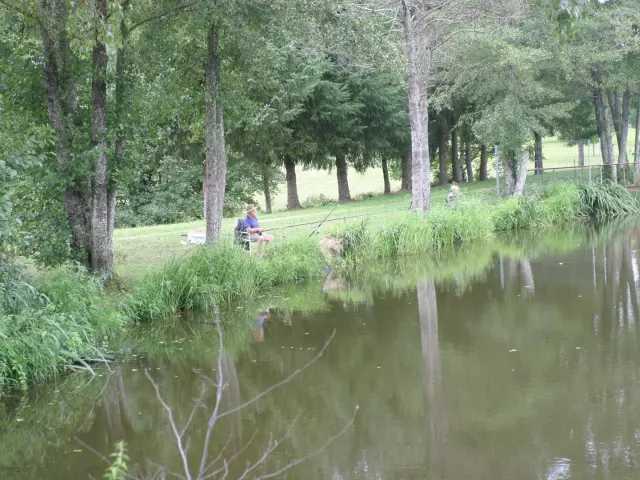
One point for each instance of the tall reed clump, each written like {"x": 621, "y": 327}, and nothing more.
{"x": 564, "y": 203}
{"x": 223, "y": 274}
{"x": 553, "y": 205}
{"x": 607, "y": 200}
{"x": 411, "y": 234}
{"x": 61, "y": 320}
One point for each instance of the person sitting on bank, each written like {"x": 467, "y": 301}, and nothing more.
{"x": 453, "y": 193}
{"x": 253, "y": 228}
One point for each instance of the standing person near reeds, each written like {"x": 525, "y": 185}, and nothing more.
{"x": 253, "y": 228}
{"x": 453, "y": 193}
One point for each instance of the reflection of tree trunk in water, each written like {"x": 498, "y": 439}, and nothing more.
{"x": 119, "y": 419}
{"x": 527, "y": 276}
{"x": 113, "y": 422}
{"x": 629, "y": 286}
{"x": 593, "y": 264}
{"x": 512, "y": 269}
{"x": 428, "y": 310}
{"x": 231, "y": 399}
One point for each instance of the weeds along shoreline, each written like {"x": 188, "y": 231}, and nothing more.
{"x": 65, "y": 317}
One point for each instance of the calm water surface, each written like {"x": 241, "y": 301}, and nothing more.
{"x": 526, "y": 369}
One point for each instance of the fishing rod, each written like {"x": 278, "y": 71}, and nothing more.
{"x": 317, "y": 229}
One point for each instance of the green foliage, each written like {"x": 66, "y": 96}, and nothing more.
{"x": 119, "y": 468}
{"x": 366, "y": 195}
{"x": 607, "y": 200}
{"x": 554, "y": 205}
{"x": 223, "y": 274}
{"x": 58, "y": 321}
{"x": 44, "y": 230}
{"x": 318, "y": 201}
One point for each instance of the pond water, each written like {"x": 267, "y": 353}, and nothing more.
{"x": 519, "y": 363}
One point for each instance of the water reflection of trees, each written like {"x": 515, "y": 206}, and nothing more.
{"x": 440, "y": 392}
{"x": 432, "y": 382}
{"x": 571, "y": 382}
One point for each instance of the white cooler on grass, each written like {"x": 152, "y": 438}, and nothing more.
{"x": 194, "y": 238}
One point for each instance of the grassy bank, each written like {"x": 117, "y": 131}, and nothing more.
{"x": 66, "y": 316}
{"x": 476, "y": 221}
{"x": 226, "y": 274}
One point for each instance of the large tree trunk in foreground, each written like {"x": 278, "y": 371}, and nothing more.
{"x": 120, "y": 134}
{"x": 515, "y": 172}
{"x": 522, "y": 160}
{"x": 406, "y": 172}
{"x": 509, "y": 174}
{"x": 538, "y": 161}
{"x": 293, "y": 201}
{"x": 483, "y": 162}
{"x": 580, "y": 153}
{"x": 636, "y": 155}
{"x": 385, "y": 174}
{"x": 61, "y": 106}
{"x": 343, "y": 180}
{"x": 603, "y": 119}
{"x": 467, "y": 161}
{"x": 266, "y": 187}
{"x": 215, "y": 153}
{"x": 455, "y": 160}
{"x": 419, "y": 60}
{"x": 101, "y": 254}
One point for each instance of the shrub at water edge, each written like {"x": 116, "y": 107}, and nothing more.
{"x": 212, "y": 276}
{"x": 59, "y": 321}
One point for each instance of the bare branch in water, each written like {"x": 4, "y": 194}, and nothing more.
{"x": 218, "y": 468}
{"x": 295, "y": 373}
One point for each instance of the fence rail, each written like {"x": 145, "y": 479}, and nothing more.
{"x": 627, "y": 173}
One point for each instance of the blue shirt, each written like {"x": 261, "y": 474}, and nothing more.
{"x": 250, "y": 222}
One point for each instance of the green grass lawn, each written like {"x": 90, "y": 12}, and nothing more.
{"x": 138, "y": 250}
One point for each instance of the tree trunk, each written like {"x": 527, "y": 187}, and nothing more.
{"x": 467, "y": 161}
{"x": 343, "y": 180}
{"x": 603, "y": 119}
{"x": 455, "y": 160}
{"x": 509, "y": 174}
{"x": 266, "y": 187}
{"x": 204, "y": 189}
{"x": 443, "y": 141}
{"x": 522, "y": 160}
{"x": 101, "y": 254}
{"x": 406, "y": 172}
{"x": 120, "y": 123}
{"x": 621, "y": 112}
{"x": 580, "y": 153}
{"x": 293, "y": 201}
{"x": 636, "y": 155}
{"x": 385, "y": 174}
{"x": 483, "y": 162}
{"x": 539, "y": 168}
{"x": 61, "y": 106}
{"x": 215, "y": 153}
{"x": 624, "y": 127}
{"x": 419, "y": 59}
